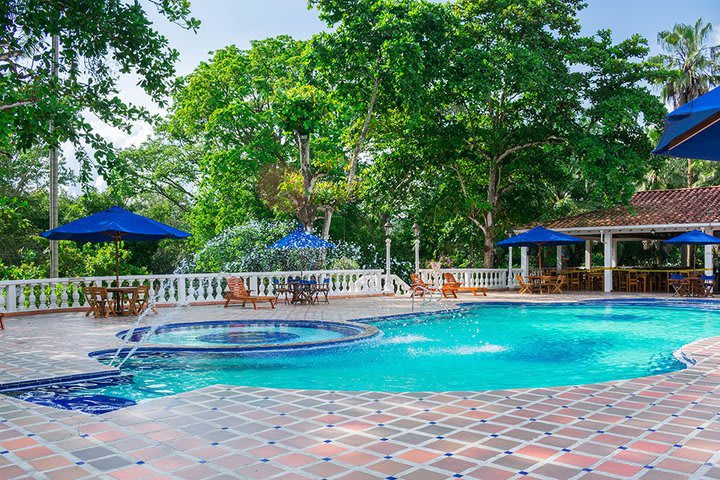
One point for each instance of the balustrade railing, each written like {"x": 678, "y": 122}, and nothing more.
{"x": 67, "y": 293}
{"x": 491, "y": 278}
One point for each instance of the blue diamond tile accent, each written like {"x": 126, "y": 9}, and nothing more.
{"x": 264, "y": 460}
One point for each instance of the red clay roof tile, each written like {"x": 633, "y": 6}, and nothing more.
{"x": 653, "y": 207}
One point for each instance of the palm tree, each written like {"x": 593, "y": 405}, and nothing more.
{"x": 692, "y": 66}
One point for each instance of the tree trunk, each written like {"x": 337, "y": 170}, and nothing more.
{"x": 307, "y": 213}
{"x": 690, "y": 174}
{"x": 489, "y": 244}
{"x": 327, "y": 220}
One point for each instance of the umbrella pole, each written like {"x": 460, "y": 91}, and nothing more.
{"x": 117, "y": 260}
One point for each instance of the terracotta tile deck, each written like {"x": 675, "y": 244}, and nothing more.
{"x": 661, "y": 427}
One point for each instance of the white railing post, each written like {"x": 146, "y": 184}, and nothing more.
{"x": 11, "y": 299}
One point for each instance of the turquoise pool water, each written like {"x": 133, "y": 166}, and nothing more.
{"x": 489, "y": 346}
{"x": 483, "y": 347}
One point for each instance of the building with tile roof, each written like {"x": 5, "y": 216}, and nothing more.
{"x": 650, "y": 215}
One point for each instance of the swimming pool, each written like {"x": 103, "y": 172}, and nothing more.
{"x": 488, "y": 346}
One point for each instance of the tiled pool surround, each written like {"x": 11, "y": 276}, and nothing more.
{"x": 661, "y": 427}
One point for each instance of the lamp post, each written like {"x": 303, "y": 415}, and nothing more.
{"x": 388, "y": 241}
{"x": 416, "y": 232}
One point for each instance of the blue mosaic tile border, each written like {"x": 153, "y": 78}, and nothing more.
{"x": 62, "y": 379}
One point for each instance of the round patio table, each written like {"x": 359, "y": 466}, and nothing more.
{"x": 120, "y": 294}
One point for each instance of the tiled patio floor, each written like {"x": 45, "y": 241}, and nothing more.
{"x": 662, "y": 427}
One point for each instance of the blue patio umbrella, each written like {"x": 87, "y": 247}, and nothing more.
{"x": 540, "y": 237}
{"x": 301, "y": 240}
{"x": 693, "y": 130}
{"x": 695, "y": 238}
{"x": 113, "y": 225}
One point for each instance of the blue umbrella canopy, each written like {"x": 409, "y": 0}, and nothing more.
{"x": 695, "y": 237}
{"x": 301, "y": 239}
{"x": 540, "y": 236}
{"x": 113, "y": 224}
{"x": 693, "y": 130}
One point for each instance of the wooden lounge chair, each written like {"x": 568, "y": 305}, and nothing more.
{"x": 2, "y": 325}
{"x": 419, "y": 287}
{"x": 236, "y": 292}
{"x": 452, "y": 287}
{"x": 525, "y": 287}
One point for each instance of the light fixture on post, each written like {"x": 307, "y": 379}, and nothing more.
{"x": 388, "y": 233}
{"x": 416, "y": 233}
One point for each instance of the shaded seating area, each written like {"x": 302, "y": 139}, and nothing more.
{"x": 615, "y": 240}
{"x": 541, "y": 283}
{"x": 237, "y": 292}
{"x": 117, "y": 301}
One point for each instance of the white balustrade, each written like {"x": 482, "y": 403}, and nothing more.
{"x": 66, "y": 293}
{"x": 491, "y": 278}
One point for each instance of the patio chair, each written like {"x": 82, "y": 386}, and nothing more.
{"x": 678, "y": 283}
{"x": 708, "y": 284}
{"x": 324, "y": 289}
{"x": 281, "y": 288}
{"x": 2, "y": 325}
{"x": 419, "y": 287}
{"x": 140, "y": 300}
{"x": 237, "y": 292}
{"x": 556, "y": 286}
{"x": 525, "y": 287}
{"x": 452, "y": 287}
{"x": 89, "y": 300}
{"x": 632, "y": 282}
{"x": 101, "y": 303}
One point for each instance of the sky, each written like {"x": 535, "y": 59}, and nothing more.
{"x": 240, "y": 21}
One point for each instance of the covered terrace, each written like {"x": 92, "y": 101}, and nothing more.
{"x": 650, "y": 215}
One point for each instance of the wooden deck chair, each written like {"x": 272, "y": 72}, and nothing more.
{"x": 419, "y": 287}
{"x": 525, "y": 287}
{"x": 103, "y": 305}
{"x": 140, "y": 300}
{"x": 557, "y": 285}
{"x": 708, "y": 285}
{"x": 89, "y": 301}
{"x": 678, "y": 283}
{"x": 2, "y": 325}
{"x": 237, "y": 292}
{"x": 452, "y": 287}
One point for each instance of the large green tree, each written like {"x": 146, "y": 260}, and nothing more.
{"x": 98, "y": 40}
{"x": 527, "y": 115}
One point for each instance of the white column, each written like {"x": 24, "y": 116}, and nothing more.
{"x": 608, "y": 254}
{"x": 588, "y": 253}
{"x": 524, "y": 266}
{"x": 510, "y": 272}
{"x": 708, "y": 256}
{"x": 614, "y": 253}
{"x": 558, "y": 258}
{"x": 388, "y": 283}
{"x": 417, "y": 255}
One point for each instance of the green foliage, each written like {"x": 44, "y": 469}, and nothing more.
{"x": 97, "y": 40}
